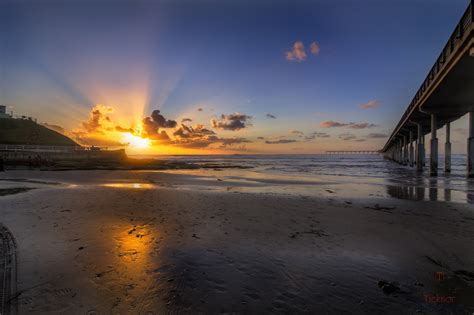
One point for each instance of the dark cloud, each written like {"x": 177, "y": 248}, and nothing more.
{"x": 297, "y": 133}
{"x": 377, "y": 135}
{"x": 161, "y": 121}
{"x": 153, "y": 124}
{"x": 315, "y": 135}
{"x": 200, "y": 109}
{"x": 332, "y": 124}
{"x": 232, "y": 141}
{"x": 186, "y": 120}
{"x": 201, "y": 137}
{"x": 232, "y": 122}
{"x": 194, "y": 137}
{"x": 359, "y": 140}
{"x": 336, "y": 124}
{"x": 261, "y": 138}
{"x": 188, "y": 132}
{"x": 54, "y": 127}
{"x": 281, "y": 141}
{"x": 361, "y": 126}
{"x": 271, "y": 116}
{"x": 347, "y": 136}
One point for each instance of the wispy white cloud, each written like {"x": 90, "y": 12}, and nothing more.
{"x": 370, "y": 104}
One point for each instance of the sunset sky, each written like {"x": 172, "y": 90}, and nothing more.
{"x": 222, "y": 76}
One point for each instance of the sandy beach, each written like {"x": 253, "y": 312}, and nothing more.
{"x": 125, "y": 242}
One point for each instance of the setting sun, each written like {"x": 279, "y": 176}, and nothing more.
{"x": 136, "y": 142}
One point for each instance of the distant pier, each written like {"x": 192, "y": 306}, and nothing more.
{"x": 446, "y": 94}
{"x": 359, "y": 152}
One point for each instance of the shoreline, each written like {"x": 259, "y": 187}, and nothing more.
{"x": 85, "y": 246}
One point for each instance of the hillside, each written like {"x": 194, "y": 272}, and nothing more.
{"x": 22, "y": 131}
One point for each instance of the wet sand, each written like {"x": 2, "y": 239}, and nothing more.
{"x": 103, "y": 242}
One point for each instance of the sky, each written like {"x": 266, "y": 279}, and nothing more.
{"x": 216, "y": 77}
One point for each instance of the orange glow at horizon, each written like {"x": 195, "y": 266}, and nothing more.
{"x": 136, "y": 142}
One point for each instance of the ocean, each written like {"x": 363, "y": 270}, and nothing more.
{"x": 351, "y": 176}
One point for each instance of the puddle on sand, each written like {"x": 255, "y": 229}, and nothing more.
{"x": 129, "y": 185}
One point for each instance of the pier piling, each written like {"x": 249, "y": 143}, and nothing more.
{"x": 419, "y": 151}
{"x": 434, "y": 147}
{"x": 470, "y": 146}
{"x": 447, "y": 149}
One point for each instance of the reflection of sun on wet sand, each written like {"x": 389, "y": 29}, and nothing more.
{"x": 127, "y": 242}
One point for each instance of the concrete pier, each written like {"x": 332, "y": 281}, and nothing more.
{"x": 445, "y": 95}
{"x": 433, "y": 147}
{"x": 447, "y": 149}
{"x": 470, "y": 146}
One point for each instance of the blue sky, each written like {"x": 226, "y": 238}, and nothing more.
{"x": 61, "y": 58}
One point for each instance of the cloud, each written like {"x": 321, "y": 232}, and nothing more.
{"x": 359, "y": 140}
{"x": 336, "y": 124}
{"x": 347, "y": 136}
{"x": 261, "y": 138}
{"x": 200, "y": 109}
{"x": 370, "y": 104}
{"x": 297, "y": 133}
{"x": 281, "y": 141}
{"x": 201, "y": 137}
{"x": 54, "y": 127}
{"x": 232, "y": 122}
{"x": 332, "y": 124}
{"x": 271, "y": 116}
{"x": 188, "y": 132}
{"x": 361, "y": 126}
{"x": 97, "y": 118}
{"x": 186, "y": 120}
{"x": 315, "y": 135}
{"x": 376, "y": 135}
{"x": 121, "y": 129}
{"x": 152, "y": 126}
{"x": 314, "y": 48}
{"x": 194, "y": 137}
{"x": 232, "y": 141}
{"x": 94, "y": 130}
{"x": 297, "y": 53}
{"x": 161, "y": 121}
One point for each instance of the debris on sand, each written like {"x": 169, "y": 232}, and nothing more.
{"x": 389, "y": 287}
{"x": 467, "y": 275}
{"x": 318, "y": 233}
{"x": 435, "y": 261}
{"x": 12, "y": 191}
{"x": 330, "y": 191}
{"x": 379, "y": 208}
